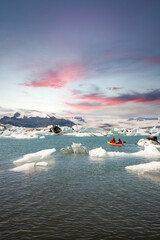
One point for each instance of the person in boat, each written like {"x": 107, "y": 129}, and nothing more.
{"x": 113, "y": 140}
{"x": 119, "y": 141}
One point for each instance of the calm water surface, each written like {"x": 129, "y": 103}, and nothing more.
{"x": 76, "y": 197}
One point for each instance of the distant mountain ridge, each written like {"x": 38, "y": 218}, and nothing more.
{"x": 143, "y": 119}
{"x": 33, "y": 121}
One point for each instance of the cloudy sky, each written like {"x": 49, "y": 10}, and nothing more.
{"x": 81, "y": 57}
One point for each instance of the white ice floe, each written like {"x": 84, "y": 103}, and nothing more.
{"x": 151, "y": 140}
{"x": 66, "y": 150}
{"x": 18, "y": 133}
{"x": 32, "y": 158}
{"x": 43, "y": 164}
{"x": 42, "y": 137}
{"x": 147, "y": 142}
{"x": 77, "y": 148}
{"x": 24, "y": 136}
{"x": 98, "y": 152}
{"x": 146, "y": 167}
{"x": 149, "y": 151}
{"x": 143, "y": 142}
{"x": 23, "y": 168}
{"x": 35, "y": 156}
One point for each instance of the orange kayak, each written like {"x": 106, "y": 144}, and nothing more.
{"x": 115, "y": 144}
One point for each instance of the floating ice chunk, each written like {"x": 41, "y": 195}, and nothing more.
{"x": 24, "y": 167}
{"x": 143, "y": 142}
{"x": 66, "y": 150}
{"x": 44, "y": 164}
{"x": 24, "y": 135}
{"x": 146, "y": 167}
{"x": 150, "y": 151}
{"x": 146, "y": 142}
{"x": 78, "y": 148}
{"x": 98, "y": 152}
{"x": 151, "y": 140}
{"x": 42, "y": 137}
{"x": 19, "y": 134}
{"x": 35, "y": 156}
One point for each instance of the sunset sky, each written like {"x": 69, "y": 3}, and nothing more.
{"x": 81, "y": 57}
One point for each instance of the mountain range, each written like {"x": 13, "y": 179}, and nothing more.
{"x": 35, "y": 120}
{"x": 143, "y": 119}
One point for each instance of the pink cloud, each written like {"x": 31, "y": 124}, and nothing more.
{"x": 103, "y": 100}
{"x": 95, "y": 102}
{"x": 58, "y": 78}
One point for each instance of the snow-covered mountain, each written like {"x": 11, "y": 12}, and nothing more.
{"x": 144, "y": 119}
{"x": 33, "y": 119}
{"x": 28, "y": 114}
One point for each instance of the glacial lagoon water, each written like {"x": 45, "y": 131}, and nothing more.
{"x": 77, "y": 196}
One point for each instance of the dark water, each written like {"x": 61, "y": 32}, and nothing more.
{"x": 76, "y": 197}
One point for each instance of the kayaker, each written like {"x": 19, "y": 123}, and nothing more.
{"x": 113, "y": 140}
{"x": 119, "y": 141}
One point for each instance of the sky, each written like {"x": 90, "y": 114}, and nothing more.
{"x": 90, "y": 58}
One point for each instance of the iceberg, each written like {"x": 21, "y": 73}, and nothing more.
{"x": 23, "y": 168}
{"x": 66, "y": 150}
{"x": 146, "y": 167}
{"x": 77, "y": 148}
{"x": 151, "y": 140}
{"x": 98, "y": 152}
{"x": 18, "y": 133}
{"x": 35, "y": 156}
{"x": 149, "y": 151}
{"x": 42, "y": 137}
